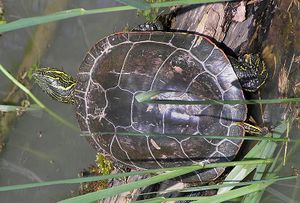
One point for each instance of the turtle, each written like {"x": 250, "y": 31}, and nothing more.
{"x": 182, "y": 66}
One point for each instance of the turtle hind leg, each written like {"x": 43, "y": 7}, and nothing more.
{"x": 250, "y": 70}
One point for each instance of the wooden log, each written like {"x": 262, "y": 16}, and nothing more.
{"x": 239, "y": 26}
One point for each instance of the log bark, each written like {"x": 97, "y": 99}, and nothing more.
{"x": 239, "y": 26}
{"x": 281, "y": 51}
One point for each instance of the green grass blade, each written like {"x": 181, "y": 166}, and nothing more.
{"x": 153, "y": 200}
{"x": 110, "y": 192}
{"x": 259, "y": 151}
{"x": 214, "y": 186}
{"x": 27, "y": 22}
{"x": 261, "y": 169}
{"x": 284, "y": 139}
{"x": 12, "y": 108}
{"x": 231, "y": 194}
{"x": 185, "y": 2}
{"x": 238, "y": 173}
{"x": 149, "y": 98}
{"x": 236, "y": 193}
{"x": 120, "y": 175}
{"x": 226, "y": 196}
{"x": 139, "y": 4}
{"x": 38, "y": 102}
{"x": 270, "y": 148}
{"x": 100, "y": 195}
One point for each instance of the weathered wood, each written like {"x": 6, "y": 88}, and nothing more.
{"x": 281, "y": 50}
{"x": 239, "y": 26}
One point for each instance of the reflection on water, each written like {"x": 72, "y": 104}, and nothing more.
{"x": 39, "y": 148}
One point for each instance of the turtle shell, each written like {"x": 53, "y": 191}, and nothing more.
{"x": 122, "y": 65}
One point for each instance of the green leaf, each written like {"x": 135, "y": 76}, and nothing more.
{"x": 235, "y": 193}
{"x": 261, "y": 169}
{"x": 149, "y": 98}
{"x": 238, "y": 173}
{"x": 185, "y": 2}
{"x": 139, "y": 4}
{"x": 120, "y": 175}
{"x": 262, "y": 150}
{"x": 253, "y": 186}
{"x": 102, "y": 194}
{"x": 11, "y": 108}
{"x": 27, "y": 22}
{"x": 197, "y": 136}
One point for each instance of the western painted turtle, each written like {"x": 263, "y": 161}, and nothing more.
{"x": 122, "y": 65}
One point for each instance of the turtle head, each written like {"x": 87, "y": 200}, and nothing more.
{"x": 56, "y": 83}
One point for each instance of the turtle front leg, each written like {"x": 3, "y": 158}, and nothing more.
{"x": 252, "y": 129}
{"x": 250, "y": 70}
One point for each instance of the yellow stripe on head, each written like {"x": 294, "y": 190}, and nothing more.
{"x": 58, "y": 84}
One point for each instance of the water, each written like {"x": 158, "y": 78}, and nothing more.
{"x": 39, "y": 148}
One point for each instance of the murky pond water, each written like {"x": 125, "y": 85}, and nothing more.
{"x": 39, "y": 148}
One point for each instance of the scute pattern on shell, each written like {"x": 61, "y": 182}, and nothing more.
{"x": 124, "y": 64}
